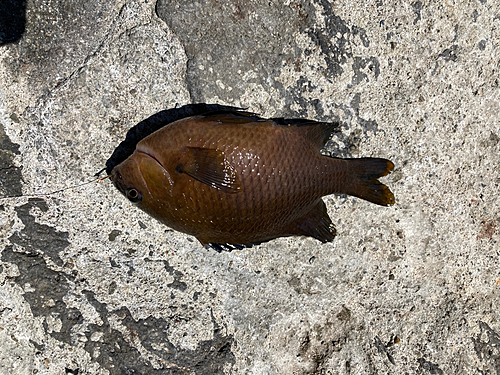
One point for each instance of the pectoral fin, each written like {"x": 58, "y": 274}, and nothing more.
{"x": 210, "y": 167}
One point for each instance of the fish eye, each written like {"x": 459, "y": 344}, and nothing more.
{"x": 134, "y": 195}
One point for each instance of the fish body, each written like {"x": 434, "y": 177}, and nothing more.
{"x": 232, "y": 178}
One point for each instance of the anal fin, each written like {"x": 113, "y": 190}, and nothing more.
{"x": 316, "y": 223}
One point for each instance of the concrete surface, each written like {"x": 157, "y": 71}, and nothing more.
{"x": 90, "y": 285}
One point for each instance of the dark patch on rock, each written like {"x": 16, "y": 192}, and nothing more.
{"x": 6, "y": 144}
{"x": 493, "y": 139}
{"x": 450, "y": 54}
{"x": 456, "y": 33}
{"x": 113, "y": 234}
{"x": 130, "y": 265}
{"x": 475, "y": 15}
{"x": 429, "y": 367}
{"x": 336, "y": 50}
{"x": 112, "y": 351}
{"x": 305, "y": 344}
{"x": 294, "y": 282}
{"x": 294, "y": 94}
{"x": 10, "y": 175}
{"x": 382, "y": 349}
{"x": 50, "y": 288}
{"x": 39, "y": 237}
{"x": 39, "y": 347}
{"x": 39, "y": 203}
{"x": 362, "y": 35}
{"x": 12, "y": 20}
{"x": 335, "y": 54}
{"x": 209, "y": 357}
{"x": 361, "y": 64}
{"x": 176, "y": 284}
{"x": 113, "y": 263}
{"x": 370, "y": 125}
{"x": 344, "y": 315}
{"x": 118, "y": 357}
{"x": 487, "y": 346}
{"x": 417, "y": 9}
{"x": 112, "y": 287}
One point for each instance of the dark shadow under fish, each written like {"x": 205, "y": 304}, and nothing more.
{"x": 233, "y": 179}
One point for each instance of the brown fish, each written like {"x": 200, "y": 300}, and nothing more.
{"x": 232, "y": 179}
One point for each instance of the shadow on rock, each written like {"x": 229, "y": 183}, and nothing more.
{"x": 12, "y": 20}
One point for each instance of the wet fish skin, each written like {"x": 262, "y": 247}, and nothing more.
{"x": 230, "y": 177}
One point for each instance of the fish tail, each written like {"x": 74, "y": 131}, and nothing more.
{"x": 364, "y": 182}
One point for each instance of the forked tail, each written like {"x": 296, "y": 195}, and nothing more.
{"x": 364, "y": 181}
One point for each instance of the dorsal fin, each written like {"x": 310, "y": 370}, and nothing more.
{"x": 317, "y": 132}
{"x": 231, "y": 117}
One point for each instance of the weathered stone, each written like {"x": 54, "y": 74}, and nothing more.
{"x": 90, "y": 285}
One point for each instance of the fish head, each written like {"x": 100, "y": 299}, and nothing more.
{"x": 144, "y": 181}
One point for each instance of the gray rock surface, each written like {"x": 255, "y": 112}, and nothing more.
{"x": 90, "y": 285}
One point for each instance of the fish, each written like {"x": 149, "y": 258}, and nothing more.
{"x": 233, "y": 179}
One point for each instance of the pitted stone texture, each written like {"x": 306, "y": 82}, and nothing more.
{"x": 91, "y": 285}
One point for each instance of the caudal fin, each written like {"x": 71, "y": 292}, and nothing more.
{"x": 365, "y": 184}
